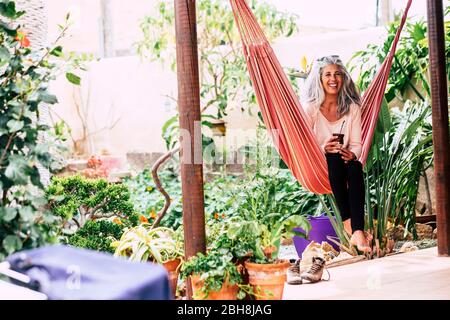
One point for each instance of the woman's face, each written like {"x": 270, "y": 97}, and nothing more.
{"x": 331, "y": 79}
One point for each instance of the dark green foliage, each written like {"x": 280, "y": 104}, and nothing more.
{"x": 214, "y": 268}
{"x": 411, "y": 64}
{"x": 97, "y": 235}
{"x": 25, "y": 75}
{"x": 82, "y": 199}
{"x": 398, "y": 156}
{"x": 147, "y": 200}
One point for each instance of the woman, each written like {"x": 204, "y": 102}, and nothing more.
{"x": 332, "y": 106}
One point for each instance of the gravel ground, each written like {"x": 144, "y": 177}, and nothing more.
{"x": 288, "y": 251}
{"x": 421, "y": 244}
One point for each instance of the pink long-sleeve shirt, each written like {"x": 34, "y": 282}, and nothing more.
{"x": 324, "y": 129}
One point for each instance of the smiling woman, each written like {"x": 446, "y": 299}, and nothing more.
{"x": 332, "y": 107}
{"x": 331, "y": 102}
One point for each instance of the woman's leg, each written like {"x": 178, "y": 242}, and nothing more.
{"x": 356, "y": 199}
{"x": 356, "y": 194}
{"x": 337, "y": 173}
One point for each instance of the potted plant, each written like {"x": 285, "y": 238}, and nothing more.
{"x": 262, "y": 237}
{"x": 161, "y": 245}
{"x": 253, "y": 233}
{"x": 213, "y": 276}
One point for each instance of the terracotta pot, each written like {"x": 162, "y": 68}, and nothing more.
{"x": 172, "y": 267}
{"x": 227, "y": 292}
{"x": 268, "y": 280}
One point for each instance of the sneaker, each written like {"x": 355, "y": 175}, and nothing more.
{"x": 314, "y": 274}
{"x": 293, "y": 273}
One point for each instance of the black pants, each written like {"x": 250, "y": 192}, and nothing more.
{"x": 347, "y": 183}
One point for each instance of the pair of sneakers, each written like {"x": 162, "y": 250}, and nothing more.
{"x": 313, "y": 274}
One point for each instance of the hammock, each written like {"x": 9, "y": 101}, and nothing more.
{"x": 282, "y": 112}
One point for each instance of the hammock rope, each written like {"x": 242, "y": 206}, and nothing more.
{"x": 282, "y": 112}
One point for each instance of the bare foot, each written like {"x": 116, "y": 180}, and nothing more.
{"x": 359, "y": 240}
{"x": 348, "y": 227}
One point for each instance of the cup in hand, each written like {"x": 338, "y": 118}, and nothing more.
{"x": 340, "y": 138}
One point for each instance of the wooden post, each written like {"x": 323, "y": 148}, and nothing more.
{"x": 438, "y": 81}
{"x": 190, "y": 129}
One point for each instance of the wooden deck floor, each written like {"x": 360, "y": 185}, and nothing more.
{"x": 414, "y": 275}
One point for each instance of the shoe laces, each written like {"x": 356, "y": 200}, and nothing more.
{"x": 318, "y": 267}
{"x": 315, "y": 268}
{"x": 295, "y": 267}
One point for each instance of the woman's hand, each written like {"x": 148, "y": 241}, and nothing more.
{"x": 332, "y": 145}
{"x": 347, "y": 155}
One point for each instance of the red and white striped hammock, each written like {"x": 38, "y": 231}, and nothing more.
{"x": 282, "y": 112}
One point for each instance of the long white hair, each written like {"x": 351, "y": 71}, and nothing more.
{"x": 314, "y": 94}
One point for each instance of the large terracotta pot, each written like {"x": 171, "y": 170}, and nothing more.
{"x": 227, "y": 292}
{"x": 268, "y": 280}
{"x": 172, "y": 267}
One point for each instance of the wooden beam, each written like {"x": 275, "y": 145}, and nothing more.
{"x": 439, "y": 87}
{"x": 190, "y": 129}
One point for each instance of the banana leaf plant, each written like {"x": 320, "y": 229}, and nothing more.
{"x": 401, "y": 148}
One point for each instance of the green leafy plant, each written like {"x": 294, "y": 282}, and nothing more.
{"x": 147, "y": 201}
{"x": 77, "y": 199}
{"x": 262, "y": 234}
{"x": 261, "y": 209}
{"x": 214, "y": 269}
{"x": 265, "y": 182}
{"x": 343, "y": 239}
{"x": 144, "y": 244}
{"x": 24, "y": 77}
{"x": 97, "y": 235}
{"x": 400, "y": 149}
{"x": 410, "y": 66}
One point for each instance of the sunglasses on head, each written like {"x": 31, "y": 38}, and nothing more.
{"x": 334, "y": 56}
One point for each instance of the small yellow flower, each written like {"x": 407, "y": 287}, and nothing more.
{"x": 153, "y": 214}
{"x": 149, "y": 188}
{"x": 304, "y": 64}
